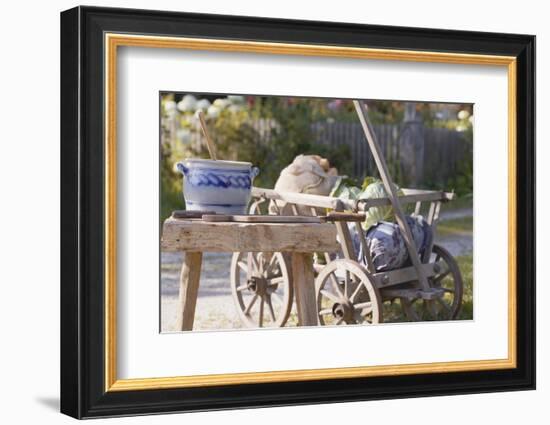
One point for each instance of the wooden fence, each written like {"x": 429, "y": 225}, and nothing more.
{"x": 417, "y": 156}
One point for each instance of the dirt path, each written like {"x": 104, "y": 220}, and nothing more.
{"x": 215, "y": 307}
{"x": 459, "y": 243}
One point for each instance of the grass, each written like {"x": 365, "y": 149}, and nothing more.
{"x": 459, "y": 203}
{"x": 466, "y": 266}
{"x": 392, "y": 312}
{"x": 463, "y": 225}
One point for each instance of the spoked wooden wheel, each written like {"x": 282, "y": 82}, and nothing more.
{"x": 261, "y": 287}
{"x": 449, "y": 280}
{"x": 346, "y": 296}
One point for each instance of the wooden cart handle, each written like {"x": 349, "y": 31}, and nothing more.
{"x": 344, "y": 216}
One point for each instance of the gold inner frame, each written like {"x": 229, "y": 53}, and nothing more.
{"x": 113, "y": 41}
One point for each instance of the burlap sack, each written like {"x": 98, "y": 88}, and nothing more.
{"x": 307, "y": 174}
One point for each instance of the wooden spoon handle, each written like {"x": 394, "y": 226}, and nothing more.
{"x": 209, "y": 142}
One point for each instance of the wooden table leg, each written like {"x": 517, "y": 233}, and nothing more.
{"x": 304, "y": 288}
{"x": 189, "y": 289}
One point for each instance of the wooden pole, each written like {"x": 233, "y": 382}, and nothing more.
{"x": 189, "y": 290}
{"x": 209, "y": 141}
{"x": 390, "y": 190}
{"x": 304, "y": 289}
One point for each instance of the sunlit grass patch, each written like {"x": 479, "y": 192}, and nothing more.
{"x": 393, "y": 313}
{"x": 463, "y": 226}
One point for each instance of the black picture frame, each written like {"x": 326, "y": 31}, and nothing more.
{"x": 83, "y": 392}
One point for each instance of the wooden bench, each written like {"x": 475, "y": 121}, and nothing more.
{"x": 299, "y": 239}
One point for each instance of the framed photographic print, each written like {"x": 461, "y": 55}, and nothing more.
{"x": 261, "y": 212}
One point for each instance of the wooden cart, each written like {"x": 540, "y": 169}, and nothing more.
{"x": 349, "y": 290}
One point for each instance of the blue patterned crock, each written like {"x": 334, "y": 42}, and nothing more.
{"x": 220, "y": 186}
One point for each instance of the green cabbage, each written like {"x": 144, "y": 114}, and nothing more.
{"x": 375, "y": 214}
{"x": 371, "y": 188}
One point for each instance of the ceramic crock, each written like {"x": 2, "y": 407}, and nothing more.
{"x": 220, "y": 186}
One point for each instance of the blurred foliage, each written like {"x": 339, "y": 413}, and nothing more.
{"x": 463, "y": 180}
{"x": 292, "y": 135}
{"x": 170, "y": 185}
{"x": 271, "y": 131}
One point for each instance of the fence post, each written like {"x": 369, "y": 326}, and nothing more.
{"x": 411, "y": 146}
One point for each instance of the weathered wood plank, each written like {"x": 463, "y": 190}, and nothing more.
{"x": 394, "y": 277}
{"x": 434, "y": 218}
{"x": 221, "y": 218}
{"x": 414, "y": 293}
{"x": 298, "y": 198}
{"x": 187, "y": 235}
{"x": 189, "y": 290}
{"x": 410, "y": 196}
{"x": 304, "y": 289}
{"x": 421, "y": 196}
{"x": 345, "y": 241}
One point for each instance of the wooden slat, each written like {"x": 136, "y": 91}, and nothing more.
{"x": 411, "y": 196}
{"x": 431, "y": 212}
{"x": 425, "y": 196}
{"x": 187, "y": 235}
{"x": 298, "y": 198}
{"x": 414, "y": 293}
{"x": 434, "y": 221}
{"x": 407, "y": 274}
{"x": 445, "y": 196}
{"x": 221, "y": 218}
{"x": 345, "y": 240}
{"x": 335, "y": 216}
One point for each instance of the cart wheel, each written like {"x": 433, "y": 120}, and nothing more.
{"x": 261, "y": 288}
{"x": 447, "y": 278}
{"x": 346, "y": 295}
